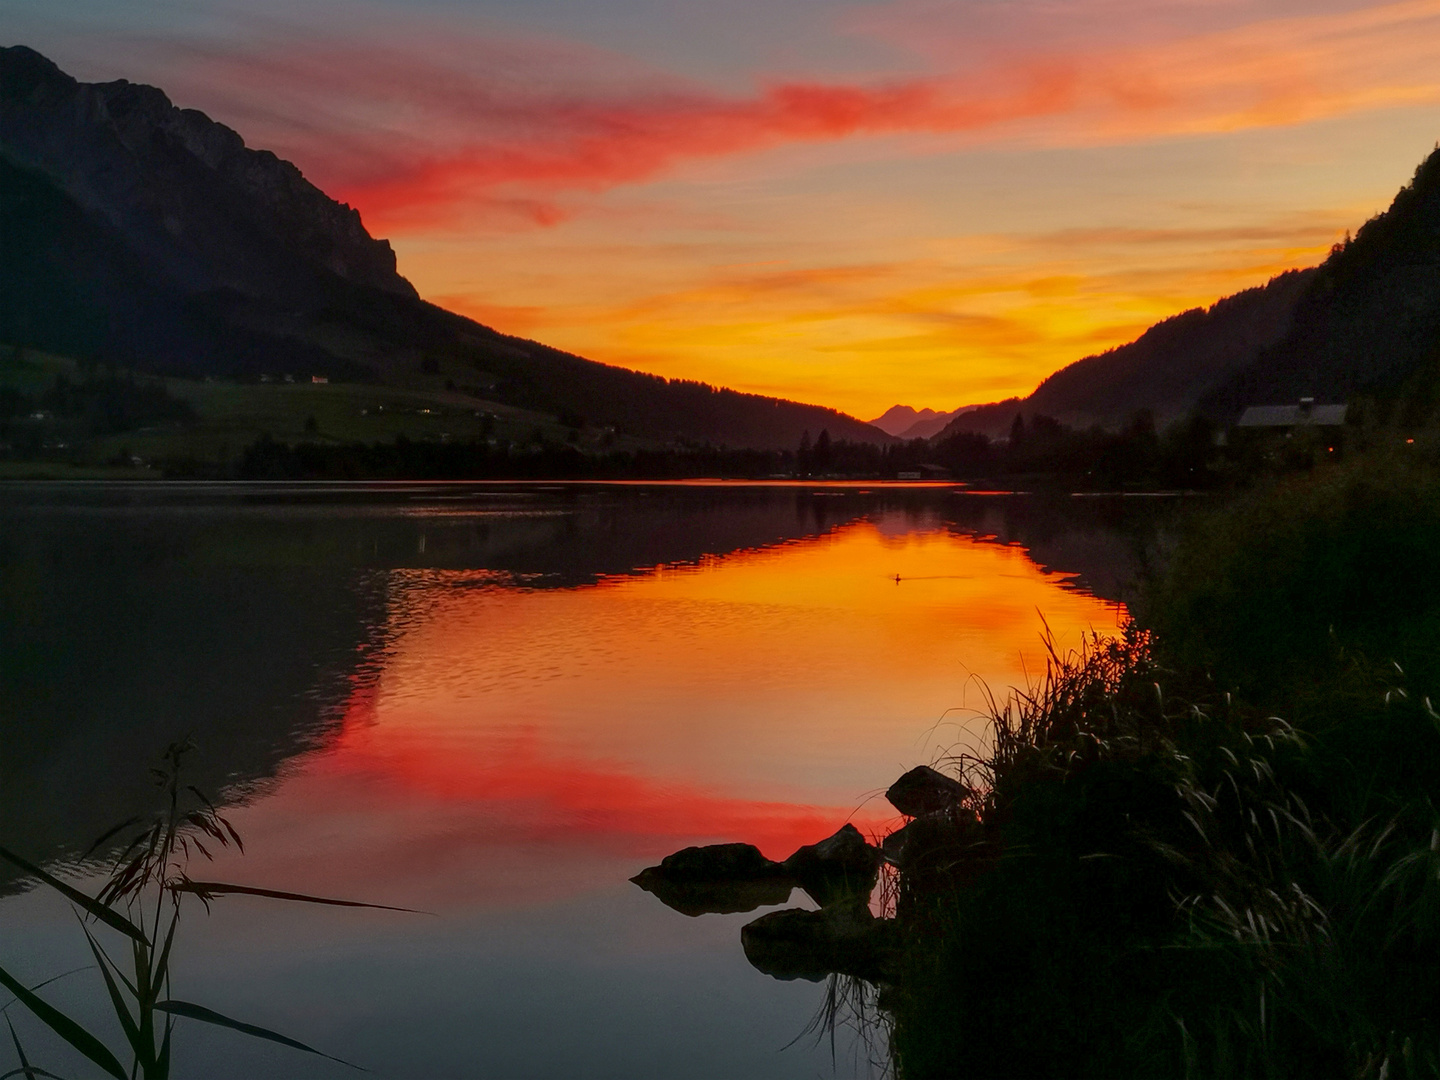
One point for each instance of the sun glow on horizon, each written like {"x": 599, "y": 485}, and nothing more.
{"x": 925, "y": 201}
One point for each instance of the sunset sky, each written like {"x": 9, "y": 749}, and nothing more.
{"x": 934, "y": 202}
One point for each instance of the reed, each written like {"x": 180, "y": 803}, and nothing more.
{"x": 1153, "y": 884}
{"x": 139, "y": 910}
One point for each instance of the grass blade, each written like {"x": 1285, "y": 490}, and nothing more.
{"x": 210, "y": 889}
{"x": 110, "y": 918}
{"x": 162, "y": 1063}
{"x": 53, "y": 978}
{"x": 108, "y": 834}
{"x": 122, "y": 1012}
{"x": 161, "y": 971}
{"x": 19, "y": 1050}
{"x": 63, "y": 1026}
{"x": 26, "y": 1069}
{"x": 191, "y": 1011}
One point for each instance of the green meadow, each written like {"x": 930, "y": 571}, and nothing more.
{"x": 211, "y": 421}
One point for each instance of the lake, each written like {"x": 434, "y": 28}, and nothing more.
{"x": 496, "y": 703}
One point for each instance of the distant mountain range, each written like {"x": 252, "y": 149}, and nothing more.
{"x": 906, "y": 423}
{"x": 151, "y": 236}
{"x": 1361, "y": 323}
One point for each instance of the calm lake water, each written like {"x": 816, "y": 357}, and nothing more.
{"x": 496, "y": 703}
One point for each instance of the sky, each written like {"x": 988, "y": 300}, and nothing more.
{"x": 855, "y": 203}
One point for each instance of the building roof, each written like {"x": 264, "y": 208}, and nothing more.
{"x": 1303, "y": 414}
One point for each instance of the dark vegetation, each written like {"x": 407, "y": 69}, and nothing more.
{"x": 1210, "y": 847}
{"x": 67, "y": 414}
{"x": 1041, "y": 452}
{"x": 101, "y": 403}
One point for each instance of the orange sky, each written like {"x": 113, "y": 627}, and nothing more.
{"x": 857, "y": 204}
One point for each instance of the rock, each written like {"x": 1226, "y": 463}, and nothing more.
{"x": 924, "y": 790}
{"x": 838, "y": 868}
{"x": 717, "y": 861}
{"x": 893, "y": 846}
{"x": 698, "y": 897}
{"x": 717, "y": 879}
{"x": 947, "y": 836}
{"x": 844, "y": 939}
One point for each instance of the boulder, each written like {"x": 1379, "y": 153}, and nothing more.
{"x": 840, "y": 867}
{"x": 945, "y": 836}
{"x": 717, "y": 879}
{"x": 924, "y": 790}
{"x": 718, "y": 861}
{"x": 844, "y": 939}
{"x": 715, "y": 897}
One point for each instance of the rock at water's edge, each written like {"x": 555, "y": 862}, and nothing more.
{"x": 719, "y": 879}
{"x": 839, "y": 868}
{"x": 924, "y": 790}
{"x": 717, "y": 861}
{"x": 799, "y": 944}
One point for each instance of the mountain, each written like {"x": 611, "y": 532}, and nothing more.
{"x": 151, "y": 236}
{"x": 1176, "y": 362}
{"x": 1368, "y": 318}
{"x": 904, "y": 422}
{"x": 1167, "y": 370}
{"x": 1361, "y": 323}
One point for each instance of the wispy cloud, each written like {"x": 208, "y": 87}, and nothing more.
{"x": 420, "y": 129}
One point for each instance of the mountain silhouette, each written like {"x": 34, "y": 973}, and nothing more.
{"x": 904, "y": 422}
{"x": 150, "y": 236}
{"x": 1368, "y": 318}
{"x": 1361, "y": 323}
{"x": 1167, "y": 370}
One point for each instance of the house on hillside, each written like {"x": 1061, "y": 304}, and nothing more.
{"x": 1289, "y": 417}
{"x": 1298, "y": 434}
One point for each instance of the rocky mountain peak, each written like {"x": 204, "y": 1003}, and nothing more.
{"x": 185, "y": 190}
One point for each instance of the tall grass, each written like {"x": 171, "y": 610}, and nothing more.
{"x": 139, "y": 908}
{"x": 1142, "y": 883}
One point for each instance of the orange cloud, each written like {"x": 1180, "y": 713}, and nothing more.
{"x": 430, "y": 128}
{"x": 974, "y": 319}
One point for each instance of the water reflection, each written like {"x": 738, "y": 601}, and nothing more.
{"x": 499, "y": 703}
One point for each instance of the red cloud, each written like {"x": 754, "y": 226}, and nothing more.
{"x": 412, "y": 133}
{"x": 592, "y": 146}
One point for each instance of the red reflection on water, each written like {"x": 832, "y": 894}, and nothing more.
{"x": 544, "y": 798}
{"x": 511, "y": 823}
{"x": 519, "y": 744}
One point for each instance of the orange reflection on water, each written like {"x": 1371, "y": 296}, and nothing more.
{"x": 802, "y": 669}
{"x": 764, "y": 696}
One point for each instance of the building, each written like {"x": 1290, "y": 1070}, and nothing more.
{"x": 1288, "y": 417}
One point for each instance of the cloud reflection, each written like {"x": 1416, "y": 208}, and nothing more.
{"x": 521, "y": 745}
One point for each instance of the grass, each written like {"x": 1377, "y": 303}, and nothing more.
{"x": 139, "y": 908}
{"x": 1153, "y": 878}
{"x": 231, "y": 415}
